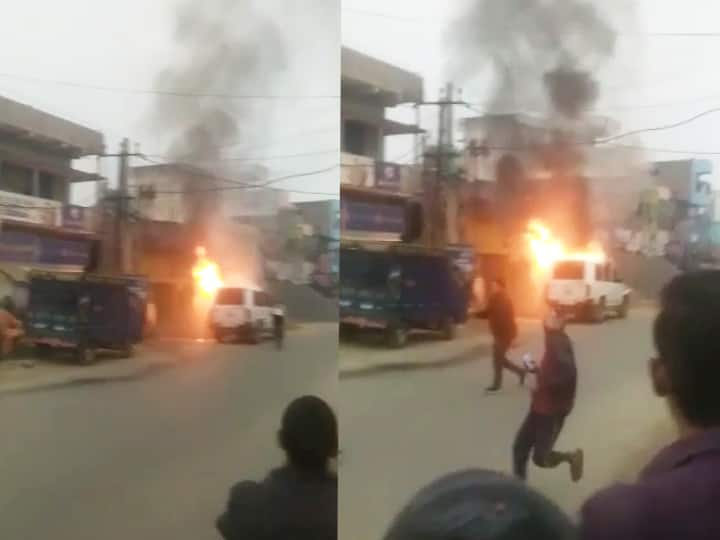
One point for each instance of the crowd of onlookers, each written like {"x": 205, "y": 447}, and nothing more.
{"x": 676, "y": 497}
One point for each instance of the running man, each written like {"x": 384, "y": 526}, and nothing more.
{"x": 552, "y": 401}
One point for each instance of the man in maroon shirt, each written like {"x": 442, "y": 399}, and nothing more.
{"x": 678, "y": 495}
{"x": 552, "y": 401}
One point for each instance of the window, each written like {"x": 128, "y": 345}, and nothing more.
{"x": 16, "y": 179}
{"x": 263, "y": 299}
{"x": 570, "y": 270}
{"x": 230, "y": 297}
{"x": 601, "y": 272}
{"x": 358, "y": 139}
{"x": 46, "y": 186}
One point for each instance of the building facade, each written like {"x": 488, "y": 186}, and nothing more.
{"x": 373, "y": 190}
{"x": 39, "y": 228}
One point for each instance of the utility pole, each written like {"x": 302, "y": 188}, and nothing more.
{"x": 122, "y": 210}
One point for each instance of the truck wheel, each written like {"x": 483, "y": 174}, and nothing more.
{"x": 448, "y": 330}
{"x": 598, "y": 312}
{"x": 86, "y": 356}
{"x": 43, "y": 351}
{"x": 397, "y": 336}
{"x": 347, "y": 332}
{"x": 254, "y": 335}
{"x": 624, "y": 307}
{"x": 219, "y": 335}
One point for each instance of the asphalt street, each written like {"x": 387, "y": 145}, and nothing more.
{"x": 153, "y": 458}
{"x": 401, "y": 430}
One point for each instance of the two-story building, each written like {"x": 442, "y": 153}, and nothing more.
{"x": 39, "y": 228}
{"x": 374, "y": 190}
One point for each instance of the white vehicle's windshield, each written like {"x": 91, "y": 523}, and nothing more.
{"x": 230, "y": 297}
{"x": 569, "y": 270}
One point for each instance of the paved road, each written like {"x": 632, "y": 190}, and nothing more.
{"x": 402, "y": 430}
{"x": 153, "y": 458}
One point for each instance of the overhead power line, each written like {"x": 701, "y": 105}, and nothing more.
{"x": 241, "y": 184}
{"x": 255, "y": 159}
{"x": 168, "y": 93}
{"x": 664, "y": 127}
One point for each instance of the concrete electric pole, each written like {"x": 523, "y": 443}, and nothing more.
{"x": 122, "y": 211}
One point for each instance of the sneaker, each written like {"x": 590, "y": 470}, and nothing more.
{"x": 492, "y": 389}
{"x": 577, "y": 465}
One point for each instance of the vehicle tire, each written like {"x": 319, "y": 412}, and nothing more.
{"x": 254, "y": 335}
{"x": 624, "y": 307}
{"x": 86, "y": 356}
{"x": 347, "y": 332}
{"x": 43, "y": 351}
{"x": 448, "y": 330}
{"x": 397, "y": 336}
{"x": 219, "y": 335}
{"x": 598, "y": 312}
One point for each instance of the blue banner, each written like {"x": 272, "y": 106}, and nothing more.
{"x": 372, "y": 217}
{"x": 29, "y": 248}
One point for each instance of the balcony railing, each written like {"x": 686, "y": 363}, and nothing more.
{"x": 25, "y": 209}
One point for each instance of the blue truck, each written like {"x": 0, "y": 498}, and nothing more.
{"x": 396, "y": 288}
{"x": 85, "y": 313}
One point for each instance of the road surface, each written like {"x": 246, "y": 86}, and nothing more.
{"x": 153, "y": 458}
{"x": 401, "y": 430}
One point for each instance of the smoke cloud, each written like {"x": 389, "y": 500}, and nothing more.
{"x": 527, "y": 42}
{"x": 223, "y": 47}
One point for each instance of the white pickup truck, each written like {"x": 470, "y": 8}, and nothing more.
{"x": 588, "y": 289}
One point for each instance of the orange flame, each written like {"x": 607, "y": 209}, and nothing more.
{"x": 206, "y": 273}
{"x": 546, "y": 249}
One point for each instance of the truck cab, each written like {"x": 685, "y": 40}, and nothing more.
{"x": 398, "y": 288}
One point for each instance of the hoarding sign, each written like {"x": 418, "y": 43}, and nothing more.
{"x": 77, "y": 218}
{"x": 30, "y": 249}
{"x": 372, "y": 217}
{"x": 388, "y": 176}
{"x": 26, "y": 209}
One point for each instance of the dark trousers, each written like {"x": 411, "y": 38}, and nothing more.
{"x": 501, "y": 362}
{"x": 537, "y": 435}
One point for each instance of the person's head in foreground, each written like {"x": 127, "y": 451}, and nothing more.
{"x": 309, "y": 434}
{"x": 480, "y": 505}
{"x": 686, "y": 369}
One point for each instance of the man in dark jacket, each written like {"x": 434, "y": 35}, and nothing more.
{"x": 299, "y": 500}
{"x": 678, "y": 494}
{"x": 501, "y": 318}
{"x": 552, "y": 401}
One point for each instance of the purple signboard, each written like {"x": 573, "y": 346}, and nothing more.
{"x": 387, "y": 176}
{"x": 372, "y": 217}
{"x": 78, "y": 218}
{"x": 28, "y": 248}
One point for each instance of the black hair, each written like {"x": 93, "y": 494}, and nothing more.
{"x": 474, "y": 504}
{"x": 309, "y": 433}
{"x": 687, "y": 337}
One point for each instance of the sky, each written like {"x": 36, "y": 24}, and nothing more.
{"x": 652, "y": 80}
{"x": 126, "y": 44}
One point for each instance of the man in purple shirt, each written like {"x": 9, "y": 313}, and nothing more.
{"x": 678, "y": 495}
